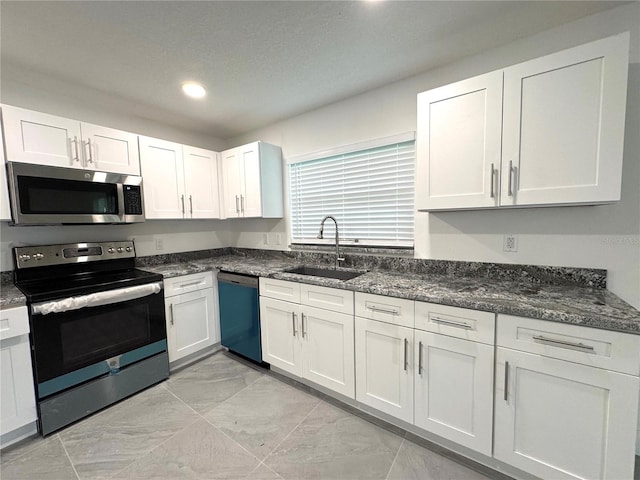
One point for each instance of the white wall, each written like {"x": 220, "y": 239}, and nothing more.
{"x": 595, "y": 236}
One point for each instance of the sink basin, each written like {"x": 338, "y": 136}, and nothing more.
{"x": 325, "y": 272}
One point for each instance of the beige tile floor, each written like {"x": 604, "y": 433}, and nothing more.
{"x": 221, "y": 418}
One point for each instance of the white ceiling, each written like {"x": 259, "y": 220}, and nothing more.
{"x": 260, "y": 61}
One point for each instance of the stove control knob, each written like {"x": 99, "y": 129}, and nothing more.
{"x": 128, "y": 249}
{"x": 24, "y": 257}
{"x": 120, "y": 249}
{"x": 110, "y": 250}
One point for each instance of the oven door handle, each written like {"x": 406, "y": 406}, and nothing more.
{"x": 95, "y": 299}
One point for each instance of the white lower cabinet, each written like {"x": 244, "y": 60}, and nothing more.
{"x": 564, "y": 419}
{"x": 454, "y": 389}
{"x": 17, "y": 396}
{"x": 438, "y": 375}
{"x": 306, "y": 341}
{"x": 384, "y": 367}
{"x": 192, "y": 320}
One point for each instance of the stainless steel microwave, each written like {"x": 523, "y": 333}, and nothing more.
{"x": 44, "y": 195}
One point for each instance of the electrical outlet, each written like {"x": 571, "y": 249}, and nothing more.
{"x": 265, "y": 239}
{"x": 510, "y": 243}
{"x": 159, "y": 244}
{"x": 278, "y": 239}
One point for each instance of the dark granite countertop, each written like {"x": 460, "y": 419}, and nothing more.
{"x": 565, "y": 303}
{"x": 510, "y": 291}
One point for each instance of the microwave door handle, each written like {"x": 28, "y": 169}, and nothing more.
{"x": 121, "y": 210}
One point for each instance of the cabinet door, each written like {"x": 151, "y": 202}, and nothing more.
{"x": 384, "y": 370}
{"x": 454, "y": 389}
{"x": 561, "y": 420}
{"x": 34, "y": 137}
{"x": 279, "y": 332}
{"x": 458, "y": 144}
{"x": 110, "y": 150}
{"x": 191, "y": 324}
{"x": 201, "y": 182}
{"x": 564, "y": 117}
{"x": 163, "y": 186}
{"x": 17, "y": 397}
{"x": 327, "y": 349}
{"x": 231, "y": 170}
{"x": 251, "y": 192}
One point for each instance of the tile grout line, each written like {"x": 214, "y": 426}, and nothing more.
{"x": 293, "y": 429}
{"x": 395, "y": 458}
{"x": 68, "y": 456}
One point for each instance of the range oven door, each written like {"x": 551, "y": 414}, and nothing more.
{"x": 78, "y": 339}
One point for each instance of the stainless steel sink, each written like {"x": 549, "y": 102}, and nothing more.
{"x": 325, "y": 272}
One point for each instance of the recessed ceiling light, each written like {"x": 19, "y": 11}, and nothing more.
{"x": 193, "y": 90}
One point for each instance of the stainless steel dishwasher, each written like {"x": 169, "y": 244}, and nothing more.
{"x": 240, "y": 314}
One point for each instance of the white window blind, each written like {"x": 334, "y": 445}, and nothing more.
{"x": 369, "y": 192}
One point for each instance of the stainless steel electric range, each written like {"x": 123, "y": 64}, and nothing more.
{"x": 98, "y": 331}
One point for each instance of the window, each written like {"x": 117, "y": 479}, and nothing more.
{"x": 369, "y": 191}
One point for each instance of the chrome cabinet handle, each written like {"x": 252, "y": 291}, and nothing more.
{"x": 451, "y": 323}
{"x": 420, "y": 358}
{"x": 182, "y": 200}
{"x": 493, "y": 172}
{"x": 293, "y": 323}
{"x": 406, "y": 347}
{"x": 237, "y": 207}
{"x": 75, "y": 145}
{"x": 303, "y": 331}
{"x": 506, "y": 381}
{"x": 510, "y": 188}
{"x": 242, "y": 203}
{"x": 191, "y": 205}
{"x": 90, "y": 157}
{"x": 564, "y": 344}
{"x": 171, "y": 313}
{"x": 190, "y": 284}
{"x": 390, "y": 311}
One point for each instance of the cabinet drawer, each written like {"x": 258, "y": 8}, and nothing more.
{"x": 13, "y": 322}
{"x": 280, "y": 289}
{"x": 187, "y": 283}
{"x": 456, "y": 322}
{"x": 328, "y": 298}
{"x": 615, "y": 351}
{"x": 398, "y": 311}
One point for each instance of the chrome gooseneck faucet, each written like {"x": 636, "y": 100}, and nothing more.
{"x": 320, "y": 236}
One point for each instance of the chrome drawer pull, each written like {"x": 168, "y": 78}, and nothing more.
{"x": 420, "y": 358}
{"x": 406, "y": 346}
{"x": 171, "y": 312}
{"x": 562, "y": 344}
{"x": 390, "y": 311}
{"x": 190, "y": 204}
{"x": 190, "y": 284}
{"x": 506, "y": 381}
{"x": 451, "y": 323}
{"x": 182, "y": 200}
{"x": 237, "y": 207}
{"x": 492, "y": 181}
{"x": 293, "y": 323}
{"x": 90, "y": 157}
{"x": 303, "y": 332}
{"x": 242, "y": 204}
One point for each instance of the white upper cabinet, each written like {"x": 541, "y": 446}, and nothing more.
{"x": 34, "y": 137}
{"x": 252, "y": 176}
{"x": 459, "y": 135}
{"x": 163, "y": 179}
{"x": 201, "y": 182}
{"x": 109, "y": 150}
{"x": 179, "y": 181}
{"x": 548, "y": 131}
